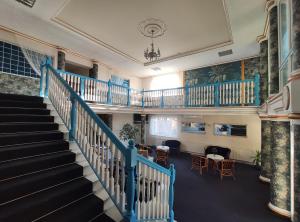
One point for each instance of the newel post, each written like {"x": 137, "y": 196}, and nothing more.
{"x": 82, "y": 83}
{"x": 73, "y": 118}
{"x": 48, "y": 63}
{"x": 257, "y": 89}
{"x": 109, "y": 92}
{"x": 128, "y": 96}
{"x": 162, "y": 103}
{"x": 171, "y": 193}
{"x": 42, "y": 80}
{"x": 143, "y": 98}
{"x": 131, "y": 162}
{"x": 186, "y": 98}
{"x": 217, "y": 94}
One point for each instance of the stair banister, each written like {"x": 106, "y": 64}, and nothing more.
{"x": 257, "y": 89}
{"x": 92, "y": 135}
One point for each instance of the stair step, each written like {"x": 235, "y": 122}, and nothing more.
{"x": 25, "y": 150}
{"x": 17, "y": 97}
{"x": 27, "y": 127}
{"x": 27, "y": 184}
{"x": 20, "y": 110}
{"x": 102, "y": 218}
{"x": 25, "y": 118}
{"x": 33, "y": 164}
{"x": 82, "y": 210}
{"x": 27, "y": 104}
{"x": 29, "y": 137}
{"x": 34, "y": 206}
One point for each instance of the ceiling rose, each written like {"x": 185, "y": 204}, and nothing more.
{"x": 152, "y": 27}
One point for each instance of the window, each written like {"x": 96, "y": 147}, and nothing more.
{"x": 120, "y": 81}
{"x": 164, "y": 126}
{"x": 284, "y": 41}
{"x": 12, "y": 60}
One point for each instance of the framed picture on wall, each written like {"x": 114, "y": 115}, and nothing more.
{"x": 230, "y": 130}
{"x": 193, "y": 127}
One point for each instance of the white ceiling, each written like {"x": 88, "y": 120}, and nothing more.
{"x": 114, "y": 24}
{"x": 106, "y": 30}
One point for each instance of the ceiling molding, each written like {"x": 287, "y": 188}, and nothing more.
{"x": 93, "y": 39}
{"x": 180, "y": 55}
{"x": 264, "y": 35}
{"x": 55, "y": 18}
{"x": 50, "y": 45}
{"x": 271, "y": 4}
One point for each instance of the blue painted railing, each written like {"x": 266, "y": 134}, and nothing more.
{"x": 230, "y": 93}
{"x": 124, "y": 174}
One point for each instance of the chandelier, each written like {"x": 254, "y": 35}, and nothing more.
{"x": 152, "y": 28}
{"x": 152, "y": 55}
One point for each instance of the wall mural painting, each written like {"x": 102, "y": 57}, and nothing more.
{"x": 221, "y": 73}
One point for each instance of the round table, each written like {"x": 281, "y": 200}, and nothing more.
{"x": 216, "y": 158}
{"x": 163, "y": 148}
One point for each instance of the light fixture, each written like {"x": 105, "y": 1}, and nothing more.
{"x": 152, "y": 28}
{"x": 28, "y": 3}
{"x": 152, "y": 54}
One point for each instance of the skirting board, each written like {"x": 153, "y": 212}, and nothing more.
{"x": 264, "y": 179}
{"x": 279, "y": 211}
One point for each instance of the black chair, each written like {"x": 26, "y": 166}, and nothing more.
{"x": 222, "y": 151}
{"x": 173, "y": 144}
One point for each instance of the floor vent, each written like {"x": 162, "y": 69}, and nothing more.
{"x": 29, "y": 3}
{"x": 225, "y": 53}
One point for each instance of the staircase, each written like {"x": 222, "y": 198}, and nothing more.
{"x": 40, "y": 179}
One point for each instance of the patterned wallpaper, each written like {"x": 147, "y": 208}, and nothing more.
{"x": 223, "y": 72}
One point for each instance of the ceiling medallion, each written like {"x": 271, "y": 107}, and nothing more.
{"x": 152, "y": 28}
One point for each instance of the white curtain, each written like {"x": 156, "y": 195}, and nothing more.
{"x": 164, "y": 126}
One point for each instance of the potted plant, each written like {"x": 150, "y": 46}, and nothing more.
{"x": 128, "y": 132}
{"x": 257, "y": 159}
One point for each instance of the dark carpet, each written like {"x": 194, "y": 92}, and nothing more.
{"x": 208, "y": 199}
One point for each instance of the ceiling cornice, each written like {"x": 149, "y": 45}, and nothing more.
{"x": 269, "y": 5}
{"x": 50, "y": 45}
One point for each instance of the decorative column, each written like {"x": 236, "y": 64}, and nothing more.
{"x": 273, "y": 49}
{"x": 93, "y": 72}
{"x": 280, "y": 164}
{"x": 295, "y": 128}
{"x": 296, "y": 34}
{"x": 266, "y": 148}
{"x": 61, "y": 60}
{"x": 143, "y": 128}
{"x": 295, "y": 155}
{"x": 263, "y": 70}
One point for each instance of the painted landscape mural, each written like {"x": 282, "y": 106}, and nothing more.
{"x": 223, "y": 72}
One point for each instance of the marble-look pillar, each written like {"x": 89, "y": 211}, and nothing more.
{"x": 61, "y": 60}
{"x": 266, "y": 145}
{"x": 263, "y": 70}
{"x": 296, "y": 33}
{"x": 93, "y": 72}
{"x": 273, "y": 50}
{"x": 143, "y": 128}
{"x": 280, "y": 164}
{"x": 296, "y": 170}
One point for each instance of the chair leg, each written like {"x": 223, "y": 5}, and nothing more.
{"x": 200, "y": 170}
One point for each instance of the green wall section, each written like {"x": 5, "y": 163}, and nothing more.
{"x": 280, "y": 165}
{"x": 223, "y": 72}
{"x": 273, "y": 44}
{"x": 297, "y": 173}
{"x": 263, "y": 70}
{"x": 266, "y": 147}
{"x": 15, "y": 84}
